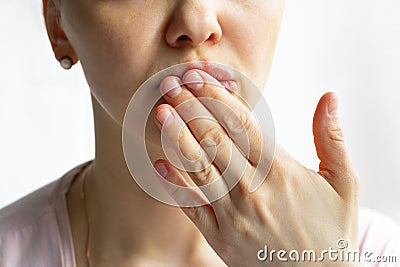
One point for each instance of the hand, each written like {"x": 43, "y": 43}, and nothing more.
{"x": 295, "y": 208}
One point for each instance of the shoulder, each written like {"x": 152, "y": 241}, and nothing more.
{"x": 27, "y": 209}
{"x": 379, "y": 236}
{"x": 27, "y": 229}
{"x": 35, "y": 228}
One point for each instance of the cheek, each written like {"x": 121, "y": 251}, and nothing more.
{"x": 254, "y": 31}
{"x": 116, "y": 49}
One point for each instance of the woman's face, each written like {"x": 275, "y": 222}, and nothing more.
{"x": 121, "y": 43}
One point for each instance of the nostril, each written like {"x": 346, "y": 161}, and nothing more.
{"x": 183, "y": 37}
{"x": 212, "y": 37}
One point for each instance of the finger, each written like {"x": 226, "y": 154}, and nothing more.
{"x": 208, "y": 132}
{"x": 236, "y": 118}
{"x": 194, "y": 160}
{"x": 202, "y": 216}
{"x": 335, "y": 163}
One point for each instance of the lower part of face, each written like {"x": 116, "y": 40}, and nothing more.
{"x": 120, "y": 44}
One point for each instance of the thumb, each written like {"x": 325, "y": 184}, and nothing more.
{"x": 335, "y": 165}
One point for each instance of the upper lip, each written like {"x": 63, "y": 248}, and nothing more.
{"x": 217, "y": 70}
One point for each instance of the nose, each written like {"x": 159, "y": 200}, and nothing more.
{"x": 193, "y": 23}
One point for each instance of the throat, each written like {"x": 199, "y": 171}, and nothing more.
{"x": 126, "y": 224}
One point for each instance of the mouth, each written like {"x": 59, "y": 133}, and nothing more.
{"x": 220, "y": 72}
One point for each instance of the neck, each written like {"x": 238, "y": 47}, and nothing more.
{"x": 123, "y": 218}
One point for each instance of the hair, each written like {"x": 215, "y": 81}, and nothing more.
{"x": 45, "y": 10}
{"x": 60, "y": 31}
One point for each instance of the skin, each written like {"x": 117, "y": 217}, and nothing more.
{"x": 122, "y": 43}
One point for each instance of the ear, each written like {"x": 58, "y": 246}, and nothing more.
{"x": 59, "y": 41}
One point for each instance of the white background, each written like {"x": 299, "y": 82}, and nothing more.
{"x": 350, "y": 47}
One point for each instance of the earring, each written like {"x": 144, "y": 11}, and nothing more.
{"x": 66, "y": 63}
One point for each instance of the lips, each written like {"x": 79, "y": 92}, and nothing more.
{"x": 218, "y": 71}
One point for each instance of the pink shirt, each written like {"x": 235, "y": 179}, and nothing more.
{"x": 35, "y": 230}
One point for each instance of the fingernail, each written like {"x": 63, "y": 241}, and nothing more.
{"x": 193, "y": 80}
{"x": 170, "y": 87}
{"x": 333, "y": 106}
{"x": 161, "y": 169}
{"x": 164, "y": 116}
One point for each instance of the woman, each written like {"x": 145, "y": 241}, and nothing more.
{"x": 95, "y": 215}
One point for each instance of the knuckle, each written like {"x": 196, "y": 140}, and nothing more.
{"x": 244, "y": 182}
{"x": 236, "y": 122}
{"x": 212, "y": 136}
{"x": 335, "y": 132}
{"x": 204, "y": 171}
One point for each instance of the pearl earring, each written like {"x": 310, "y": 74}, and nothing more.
{"x": 66, "y": 63}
